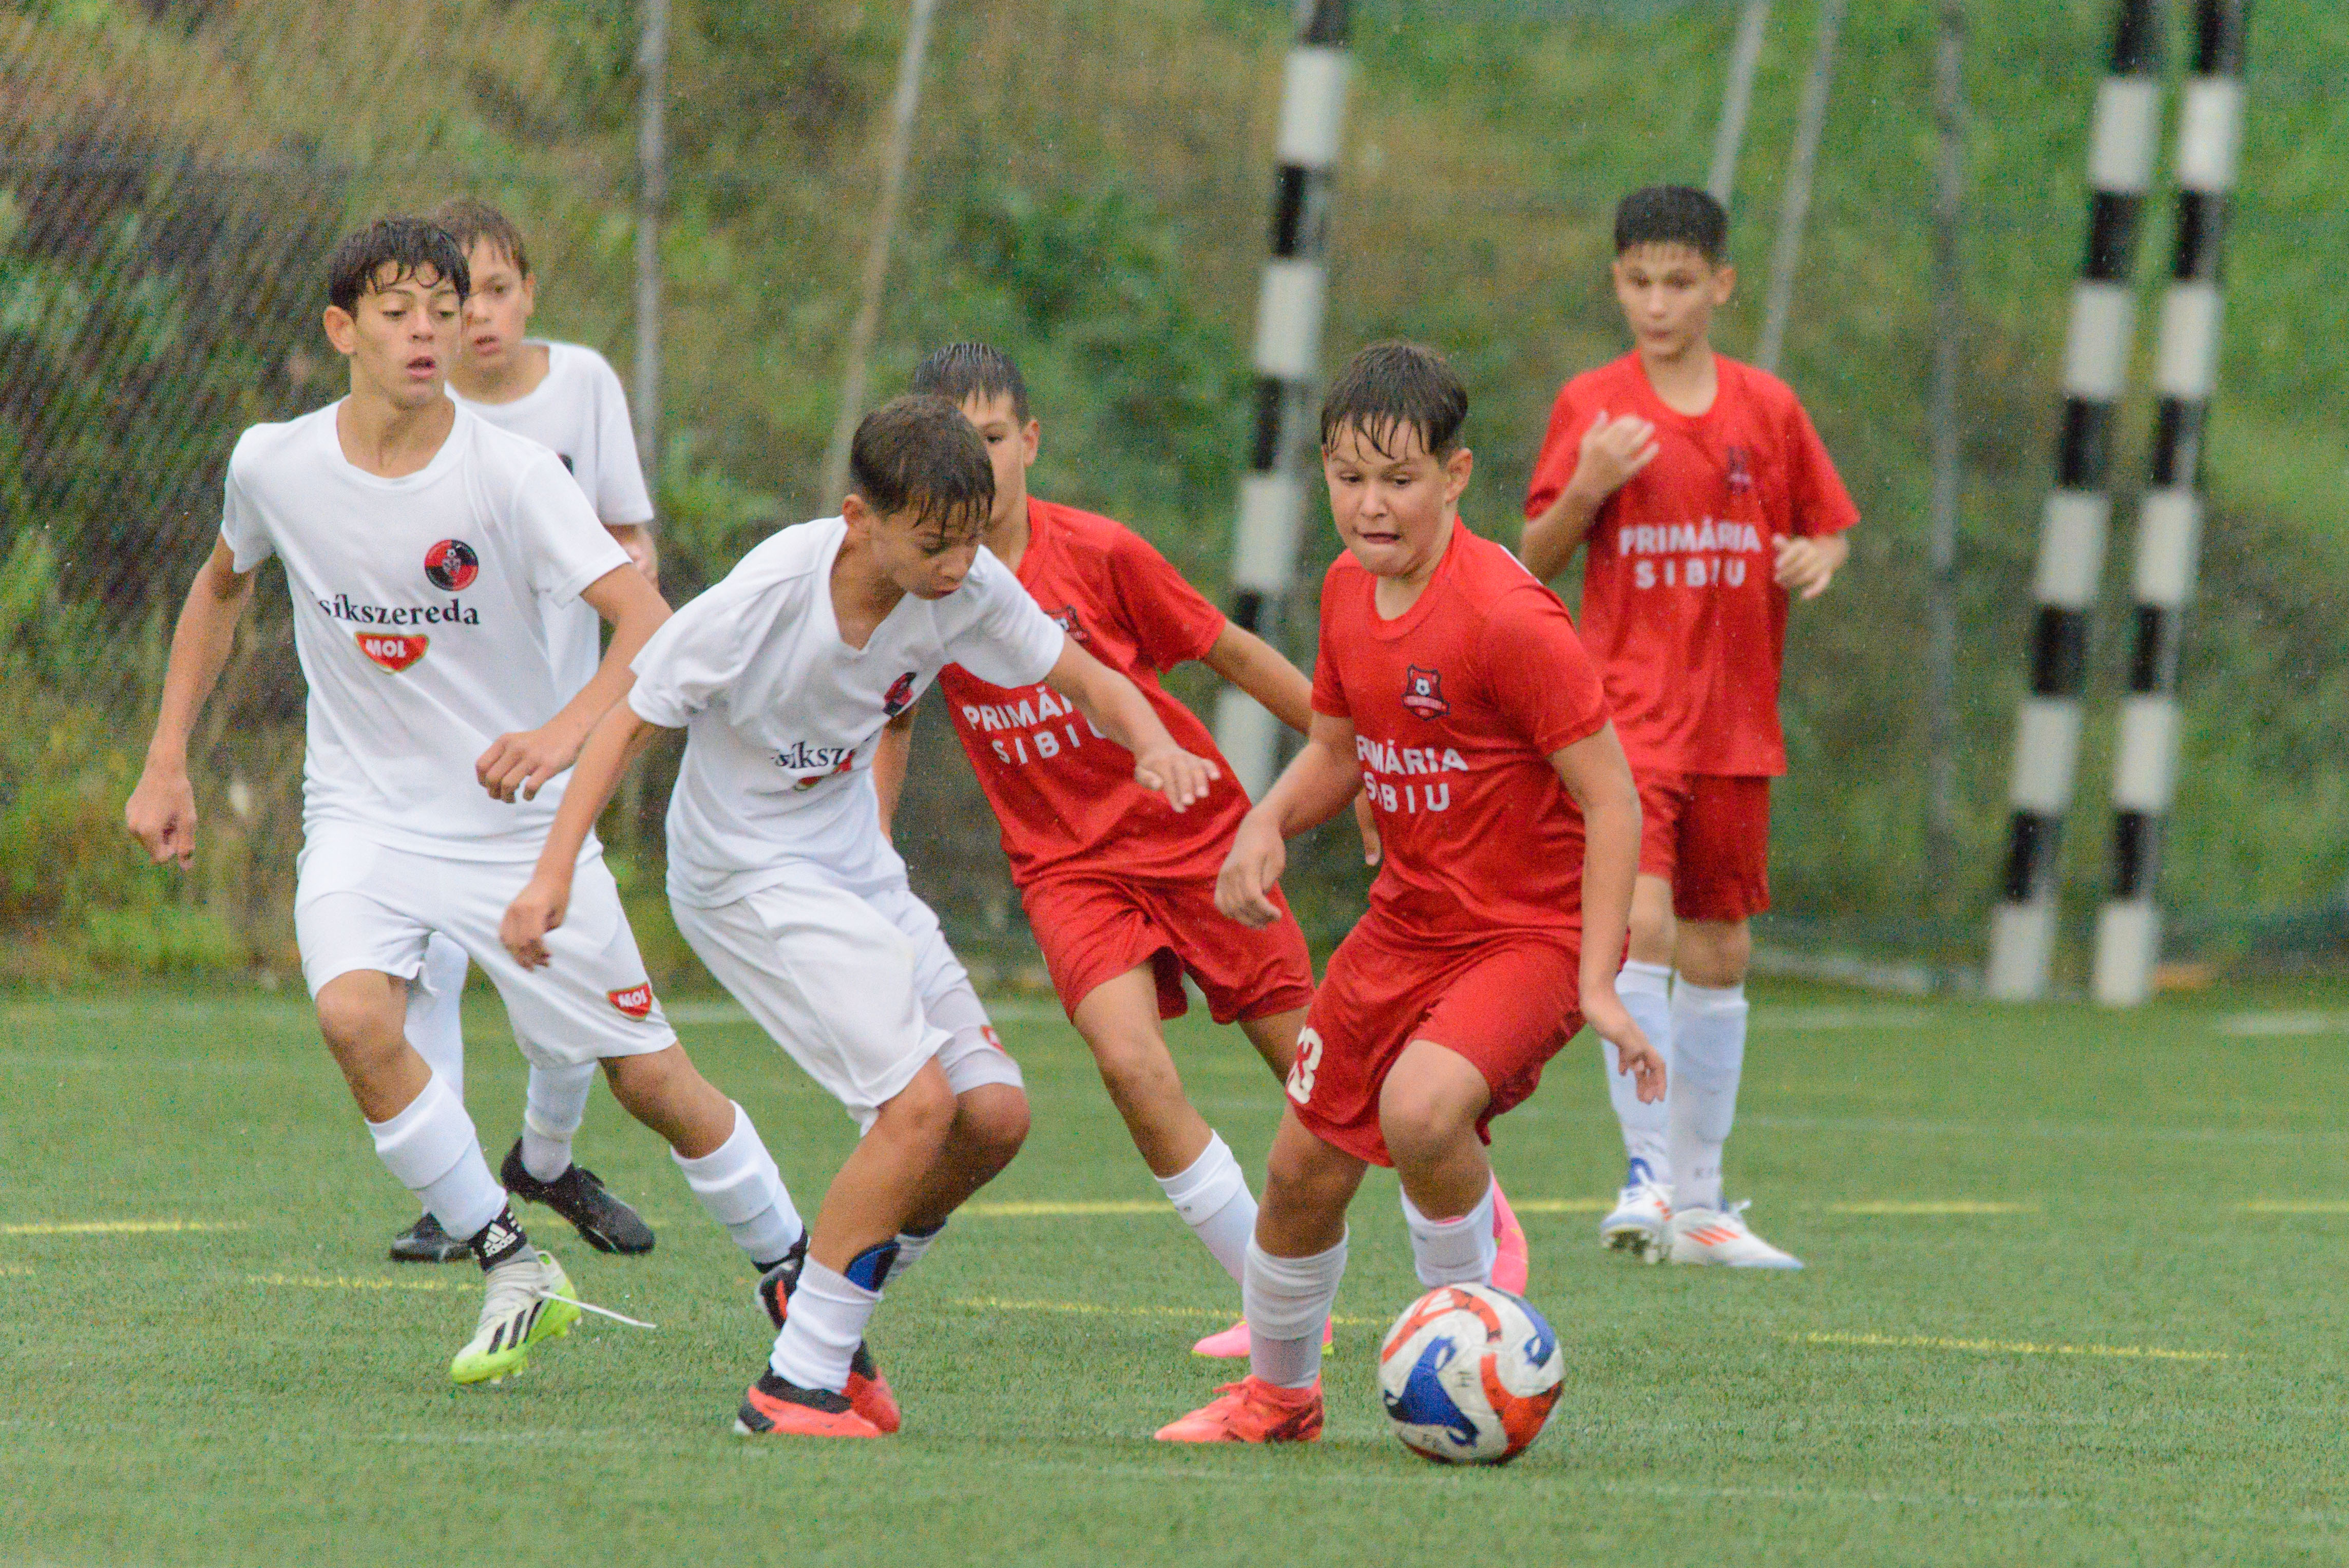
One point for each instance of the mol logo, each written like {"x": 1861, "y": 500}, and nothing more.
{"x": 637, "y": 1001}
{"x": 393, "y": 651}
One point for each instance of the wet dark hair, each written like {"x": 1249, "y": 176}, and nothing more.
{"x": 1391, "y": 387}
{"x": 1673, "y": 215}
{"x": 409, "y": 246}
{"x": 471, "y": 220}
{"x": 918, "y": 454}
{"x": 961, "y": 371}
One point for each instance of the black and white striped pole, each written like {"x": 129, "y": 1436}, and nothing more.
{"x": 2079, "y": 508}
{"x": 2169, "y": 523}
{"x": 1287, "y": 367}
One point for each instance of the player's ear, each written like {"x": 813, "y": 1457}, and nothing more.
{"x": 1456, "y": 469}
{"x": 342, "y": 331}
{"x": 1031, "y": 437}
{"x": 1725, "y": 283}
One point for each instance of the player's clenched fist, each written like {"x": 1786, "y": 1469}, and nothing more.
{"x": 162, "y": 814}
{"x": 516, "y": 766}
{"x": 1244, "y": 887}
{"x": 1606, "y": 1014}
{"x": 538, "y": 908}
{"x": 1182, "y": 777}
{"x": 1612, "y": 452}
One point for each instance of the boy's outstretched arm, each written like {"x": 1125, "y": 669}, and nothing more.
{"x": 1257, "y": 668}
{"x": 162, "y": 810}
{"x": 1118, "y": 710}
{"x": 892, "y": 754}
{"x": 518, "y": 764}
{"x": 1612, "y": 452}
{"x": 615, "y": 742}
{"x": 1315, "y": 787}
{"x": 1599, "y": 780}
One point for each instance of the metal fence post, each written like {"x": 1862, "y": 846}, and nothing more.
{"x": 652, "y": 199}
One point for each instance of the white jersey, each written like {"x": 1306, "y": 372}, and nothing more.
{"x": 580, "y": 412}
{"x": 781, "y": 715}
{"x": 419, "y": 615}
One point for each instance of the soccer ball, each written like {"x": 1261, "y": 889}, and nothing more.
{"x": 1469, "y": 1373}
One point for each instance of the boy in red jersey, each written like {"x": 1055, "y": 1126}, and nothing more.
{"x": 1451, "y": 686}
{"x": 1120, "y": 891}
{"x": 1706, "y": 498}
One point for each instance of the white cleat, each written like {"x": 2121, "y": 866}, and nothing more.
{"x": 1720, "y": 1236}
{"x": 528, "y": 1301}
{"x": 1641, "y": 1215}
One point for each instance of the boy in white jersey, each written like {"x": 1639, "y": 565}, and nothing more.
{"x": 565, "y": 396}
{"x": 783, "y": 677}
{"x": 421, "y": 547}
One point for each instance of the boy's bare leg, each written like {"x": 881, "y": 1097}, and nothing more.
{"x": 1274, "y": 1035}
{"x": 1428, "y": 1109}
{"x": 716, "y": 1147}
{"x": 990, "y": 1123}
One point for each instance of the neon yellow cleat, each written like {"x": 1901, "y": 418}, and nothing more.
{"x": 528, "y": 1300}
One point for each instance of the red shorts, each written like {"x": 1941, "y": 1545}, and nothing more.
{"x": 1093, "y": 927}
{"x": 1708, "y": 834}
{"x": 1508, "y": 1006}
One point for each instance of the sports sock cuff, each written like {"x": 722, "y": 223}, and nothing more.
{"x": 1202, "y": 1189}
{"x": 499, "y": 1241}
{"x": 818, "y": 1283}
{"x": 1636, "y": 977}
{"x": 737, "y": 1180}
{"x": 1481, "y": 1213}
{"x": 425, "y": 1141}
{"x": 1289, "y": 1298}
{"x": 1691, "y": 998}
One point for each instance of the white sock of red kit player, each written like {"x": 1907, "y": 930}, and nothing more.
{"x": 1646, "y": 990}
{"x": 553, "y": 1106}
{"x": 1458, "y": 1251}
{"x": 431, "y": 1148}
{"x": 1287, "y": 1302}
{"x": 1212, "y": 1195}
{"x": 829, "y": 1312}
{"x": 1708, "y": 1054}
{"x": 739, "y": 1184}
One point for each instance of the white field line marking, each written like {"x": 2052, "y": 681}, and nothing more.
{"x": 1928, "y": 1206}
{"x": 50, "y": 1061}
{"x": 1890, "y": 1127}
{"x": 2280, "y": 1025}
{"x": 1805, "y": 1020}
{"x": 1098, "y": 1309}
{"x": 121, "y": 1227}
{"x": 345, "y": 1281}
{"x": 2007, "y": 1347}
{"x": 2295, "y": 1206}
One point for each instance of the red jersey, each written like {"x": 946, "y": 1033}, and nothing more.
{"x": 1679, "y": 605}
{"x": 1457, "y": 705}
{"x": 1062, "y": 792}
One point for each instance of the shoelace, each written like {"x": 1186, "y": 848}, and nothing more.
{"x": 545, "y": 1294}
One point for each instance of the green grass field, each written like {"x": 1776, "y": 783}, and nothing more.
{"x": 2074, "y": 1297}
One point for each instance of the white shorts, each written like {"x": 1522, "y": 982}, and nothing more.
{"x": 860, "y": 989}
{"x": 359, "y": 905}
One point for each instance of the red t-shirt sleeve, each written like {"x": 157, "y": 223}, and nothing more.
{"x": 1822, "y": 505}
{"x": 1329, "y": 691}
{"x": 1542, "y": 681}
{"x": 1172, "y": 621}
{"x": 1561, "y": 453}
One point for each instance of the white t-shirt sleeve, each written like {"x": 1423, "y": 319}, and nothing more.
{"x": 697, "y": 653}
{"x": 621, "y": 499}
{"x": 241, "y": 524}
{"x": 566, "y": 547}
{"x": 1004, "y": 639}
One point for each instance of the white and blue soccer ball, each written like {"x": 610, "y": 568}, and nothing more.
{"x": 1468, "y": 1374}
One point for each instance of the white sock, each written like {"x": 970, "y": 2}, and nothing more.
{"x": 739, "y": 1184}
{"x": 911, "y": 1246}
{"x": 1212, "y": 1196}
{"x": 1647, "y": 996}
{"x": 435, "y": 1012}
{"x": 431, "y": 1148}
{"x": 553, "y": 1106}
{"x": 829, "y": 1313}
{"x": 1453, "y": 1252}
{"x": 1708, "y": 1052}
{"x": 1287, "y": 1302}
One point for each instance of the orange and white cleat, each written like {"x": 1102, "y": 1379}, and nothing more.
{"x": 1513, "y": 1260}
{"x": 1232, "y": 1344}
{"x": 1251, "y": 1412}
{"x": 774, "y": 1407}
{"x": 868, "y": 1392}
{"x": 1719, "y": 1237}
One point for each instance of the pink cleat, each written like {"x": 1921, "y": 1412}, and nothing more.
{"x": 1232, "y": 1344}
{"x": 1251, "y": 1412}
{"x": 1513, "y": 1260}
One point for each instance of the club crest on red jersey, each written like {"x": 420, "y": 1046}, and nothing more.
{"x": 1065, "y": 617}
{"x": 900, "y": 694}
{"x": 1422, "y": 693}
{"x": 635, "y": 1001}
{"x": 394, "y": 652}
{"x": 451, "y": 565}
{"x": 1740, "y": 468}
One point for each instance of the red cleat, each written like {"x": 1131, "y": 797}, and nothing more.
{"x": 868, "y": 1391}
{"x": 1513, "y": 1260}
{"x": 773, "y": 1408}
{"x": 1251, "y": 1412}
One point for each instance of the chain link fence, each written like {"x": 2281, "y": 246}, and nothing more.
{"x": 1089, "y": 187}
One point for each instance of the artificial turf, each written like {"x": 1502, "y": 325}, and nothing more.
{"x": 2074, "y": 1297}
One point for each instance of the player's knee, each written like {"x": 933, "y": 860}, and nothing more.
{"x": 1421, "y": 1119}
{"x": 647, "y": 1085}
{"x": 1716, "y": 953}
{"x": 359, "y": 1021}
{"x": 1651, "y": 936}
{"x": 922, "y": 1114}
{"x": 991, "y": 1123}
{"x": 1135, "y": 1070}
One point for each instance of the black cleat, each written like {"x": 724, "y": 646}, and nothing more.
{"x": 602, "y": 1222}
{"x": 425, "y": 1243}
